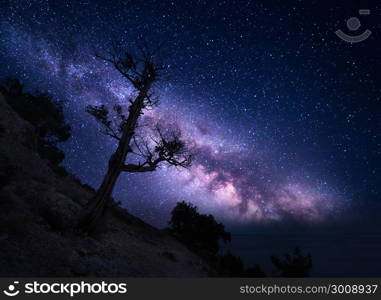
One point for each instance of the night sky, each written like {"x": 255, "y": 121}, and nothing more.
{"x": 282, "y": 115}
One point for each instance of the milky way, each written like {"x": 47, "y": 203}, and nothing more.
{"x": 259, "y": 147}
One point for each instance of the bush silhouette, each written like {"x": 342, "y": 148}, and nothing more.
{"x": 45, "y": 114}
{"x": 295, "y": 265}
{"x": 198, "y": 231}
{"x": 202, "y": 234}
{"x": 254, "y": 272}
{"x": 229, "y": 265}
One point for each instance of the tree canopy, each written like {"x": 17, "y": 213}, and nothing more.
{"x": 294, "y": 265}
{"x": 46, "y": 115}
{"x": 197, "y": 231}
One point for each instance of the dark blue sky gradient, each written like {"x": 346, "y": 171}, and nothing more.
{"x": 284, "y": 114}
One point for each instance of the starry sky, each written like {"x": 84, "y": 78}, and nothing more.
{"x": 283, "y": 116}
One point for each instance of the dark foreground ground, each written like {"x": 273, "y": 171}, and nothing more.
{"x": 38, "y": 210}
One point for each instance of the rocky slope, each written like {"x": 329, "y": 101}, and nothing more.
{"x": 38, "y": 210}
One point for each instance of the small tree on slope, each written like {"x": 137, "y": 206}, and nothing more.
{"x": 141, "y": 71}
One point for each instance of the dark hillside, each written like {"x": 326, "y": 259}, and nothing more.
{"x": 38, "y": 210}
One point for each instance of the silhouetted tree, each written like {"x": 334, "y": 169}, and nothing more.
{"x": 141, "y": 71}
{"x": 254, "y": 272}
{"x": 295, "y": 265}
{"x": 202, "y": 234}
{"x": 229, "y": 265}
{"x": 44, "y": 113}
{"x": 198, "y": 231}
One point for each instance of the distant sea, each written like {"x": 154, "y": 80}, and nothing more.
{"x": 333, "y": 254}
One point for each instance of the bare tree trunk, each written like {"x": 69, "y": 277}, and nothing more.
{"x": 97, "y": 206}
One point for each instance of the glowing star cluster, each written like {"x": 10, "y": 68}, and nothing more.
{"x": 218, "y": 183}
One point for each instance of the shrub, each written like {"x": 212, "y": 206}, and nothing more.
{"x": 295, "y": 265}
{"x": 44, "y": 113}
{"x": 229, "y": 265}
{"x": 254, "y": 272}
{"x": 197, "y": 231}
